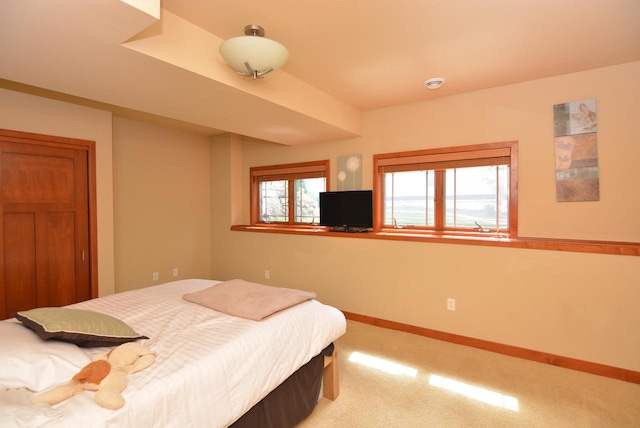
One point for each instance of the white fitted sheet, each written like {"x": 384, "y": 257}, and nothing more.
{"x": 210, "y": 367}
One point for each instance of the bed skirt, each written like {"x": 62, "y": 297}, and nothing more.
{"x": 292, "y": 401}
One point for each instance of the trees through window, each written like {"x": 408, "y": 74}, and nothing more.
{"x": 288, "y": 194}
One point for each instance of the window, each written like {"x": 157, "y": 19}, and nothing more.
{"x": 468, "y": 190}
{"x": 288, "y": 194}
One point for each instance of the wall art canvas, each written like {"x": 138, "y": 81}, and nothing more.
{"x": 350, "y": 172}
{"x": 576, "y": 149}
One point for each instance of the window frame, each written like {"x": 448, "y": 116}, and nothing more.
{"x": 439, "y": 160}
{"x": 289, "y": 172}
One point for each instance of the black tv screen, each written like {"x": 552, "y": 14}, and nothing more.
{"x": 349, "y": 209}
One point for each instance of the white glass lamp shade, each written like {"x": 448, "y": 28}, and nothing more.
{"x": 253, "y": 55}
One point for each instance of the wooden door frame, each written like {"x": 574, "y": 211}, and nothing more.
{"x": 76, "y": 144}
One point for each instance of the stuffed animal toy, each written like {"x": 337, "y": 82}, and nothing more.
{"x": 106, "y": 374}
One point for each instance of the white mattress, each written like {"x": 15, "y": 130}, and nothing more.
{"x": 210, "y": 368}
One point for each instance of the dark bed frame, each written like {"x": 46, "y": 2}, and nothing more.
{"x": 296, "y": 397}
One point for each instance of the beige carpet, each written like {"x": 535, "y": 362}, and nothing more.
{"x": 431, "y": 383}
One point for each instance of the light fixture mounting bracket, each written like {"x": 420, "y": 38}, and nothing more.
{"x": 254, "y": 30}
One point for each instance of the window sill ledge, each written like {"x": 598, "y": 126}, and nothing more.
{"x": 550, "y": 244}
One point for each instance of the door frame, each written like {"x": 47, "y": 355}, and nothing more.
{"x": 76, "y": 144}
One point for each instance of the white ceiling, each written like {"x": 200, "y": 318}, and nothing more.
{"x": 346, "y": 57}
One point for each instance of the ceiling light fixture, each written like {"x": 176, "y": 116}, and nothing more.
{"x": 434, "y": 83}
{"x": 253, "y": 55}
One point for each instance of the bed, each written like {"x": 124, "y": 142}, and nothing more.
{"x": 211, "y": 369}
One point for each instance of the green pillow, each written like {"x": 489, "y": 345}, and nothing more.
{"x": 82, "y": 327}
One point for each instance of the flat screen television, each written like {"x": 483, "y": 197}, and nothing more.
{"x": 351, "y": 210}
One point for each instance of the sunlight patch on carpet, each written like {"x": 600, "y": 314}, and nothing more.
{"x": 381, "y": 364}
{"x": 475, "y": 392}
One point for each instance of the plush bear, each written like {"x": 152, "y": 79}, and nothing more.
{"x": 106, "y": 374}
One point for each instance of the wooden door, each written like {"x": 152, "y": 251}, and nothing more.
{"x": 44, "y": 224}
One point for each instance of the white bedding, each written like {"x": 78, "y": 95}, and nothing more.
{"x": 210, "y": 368}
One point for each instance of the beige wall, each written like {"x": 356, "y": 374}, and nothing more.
{"x": 27, "y": 113}
{"x": 578, "y": 305}
{"x": 161, "y": 204}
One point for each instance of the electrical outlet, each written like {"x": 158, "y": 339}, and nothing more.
{"x": 451, "y": 304}
{"x": 175, "y": 271}
{"x": 266, "y": 274}
{"x": 155, "y": 276}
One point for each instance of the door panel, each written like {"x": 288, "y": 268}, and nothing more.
{"x": 39, "y": 179}
{"x": 20, "y": 236}
{"x": 61, "y": 264}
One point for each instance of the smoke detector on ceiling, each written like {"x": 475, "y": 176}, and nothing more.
{"x": 434, "y": 83}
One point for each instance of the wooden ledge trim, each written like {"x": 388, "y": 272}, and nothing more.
{"x": 549, "y": 244}
{"x": 512, "y": 351}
